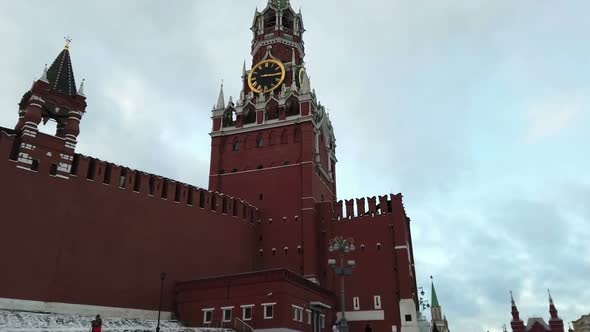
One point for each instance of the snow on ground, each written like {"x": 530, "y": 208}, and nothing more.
{"x": 21, "y": 321}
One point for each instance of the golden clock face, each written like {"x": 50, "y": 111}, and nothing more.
{"x": 266, "y": 76}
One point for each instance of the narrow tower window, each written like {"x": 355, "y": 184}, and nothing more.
{"x": 236, "y": 145}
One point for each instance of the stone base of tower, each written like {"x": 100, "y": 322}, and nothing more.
{"x": 408, "y": 315}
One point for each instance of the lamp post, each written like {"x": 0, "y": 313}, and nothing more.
{"x": 162, "y": 278}
{"x": 342, "y": 246}
{"x": 422, "y": 302}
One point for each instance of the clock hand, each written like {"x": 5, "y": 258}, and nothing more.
{"x": 269, "y": 75}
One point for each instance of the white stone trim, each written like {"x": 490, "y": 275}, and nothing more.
{"x": 228, "y": 307}
{"x": 80, "y": 309}
{"x": 377, "y": 302}
{"x": 363, "y": 315}
{"x": 256, "y": 127}
{"x": 262, "y": 169}
{"x": 401, "y": 247}
{"x": 320, "y": 304}
{"x": 264, "y": 305}
{"x": 356, "y": 303}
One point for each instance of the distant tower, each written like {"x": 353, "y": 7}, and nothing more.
{"x": 536, "y": 324}
{"x": 52, "y": 97}
{"x": 555, "y": 323}
{"x": 517, "y": 324}
{"x": 439, "y": 322}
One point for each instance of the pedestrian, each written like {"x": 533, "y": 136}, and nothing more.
{"x": 97, "y": 324}
{"x": 335, "y": 327}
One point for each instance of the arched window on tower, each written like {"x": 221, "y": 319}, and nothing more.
{"x": 229, "y": 118}
{"x": 250, "y": 115}
{"x": 236, "y": 145}
{"x": 288, "y": 21}
{"x": 259, "y": 141}
{"x": 270, "y": 20}
{"x": 297, "y": 135}
{"x": 284, "y": 137}
{"x": 272, "y": 110}
{"x": 292, "y": 107}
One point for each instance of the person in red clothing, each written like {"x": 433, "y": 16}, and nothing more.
{"x": 97, "y": 324}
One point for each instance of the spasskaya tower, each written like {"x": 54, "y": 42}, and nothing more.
{"x": 274, "y": 147}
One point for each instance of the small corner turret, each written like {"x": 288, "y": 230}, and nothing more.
{"x": 53, "y": 97}
{"x": 439, "y": 321}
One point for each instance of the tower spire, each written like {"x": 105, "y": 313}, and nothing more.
{"x": 220, "y": 100}
{"x": 552, "y": 308}
{"x": 516, "y": 324}
{"x": 60, "y": 74}
{"x": 434, "y": 298}
{"x": 44, "y": 76}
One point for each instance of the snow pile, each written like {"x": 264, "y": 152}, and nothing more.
{"x": 20, "y": 321}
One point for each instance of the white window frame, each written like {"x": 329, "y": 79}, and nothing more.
{"x": 308, "y": 316}
{"x": 377, "y": 301}
{"x": 356, "y": 303}
{"x": 223, "y": 310}
{"x": 251, "y": 306}
{"x": 297, "y": 313}
{"x": 322, "y": 321}
{"x": 264, "y": 305}
{"x": 205, "y": 311}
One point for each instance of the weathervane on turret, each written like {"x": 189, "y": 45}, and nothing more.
{"x": 68, "y": 40}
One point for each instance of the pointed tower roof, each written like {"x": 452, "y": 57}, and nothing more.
{"x": 552, "y": 308}
{"x": 60, "y": 74}
{"x": 221, "y": 99}
{"x": 434, "y": 299}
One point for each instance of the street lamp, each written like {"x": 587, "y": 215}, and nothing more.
{"x": 422, "y": 302}
{"x": 342, "y": 246}
{"x": 162, "y": 278}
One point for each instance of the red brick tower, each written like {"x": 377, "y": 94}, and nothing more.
{"x": 275, "y": 146}
{"x": 517, "y": 324}
{"x": 555, "y": 323}
{"x": 52, "y": 97}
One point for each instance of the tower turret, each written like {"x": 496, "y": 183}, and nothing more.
{"x": 517, "y": 324}
{"x": 555, "y": 322}
{"x": 53, "y": 97}
{"x": 438, "y": 320}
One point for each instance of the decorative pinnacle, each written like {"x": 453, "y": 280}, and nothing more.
{"x": 68, "y": 40}
{"x": 550, "y": 299}
{"x": 44, "y": 76}
{"x": 512, "y": 298}
{"x": 221, "y": 99}
{"x": 81, "y": 90}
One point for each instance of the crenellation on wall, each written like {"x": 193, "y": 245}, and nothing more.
{"x": 126, "y": 179}
{"x": 357, "y": 207}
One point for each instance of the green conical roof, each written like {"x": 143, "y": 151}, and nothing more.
{"x": 434, "y": 299}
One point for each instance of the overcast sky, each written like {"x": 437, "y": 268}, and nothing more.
{"x": 476, "y": 110}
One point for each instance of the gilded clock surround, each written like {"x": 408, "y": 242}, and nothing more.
{"x": 258, "y": 73}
